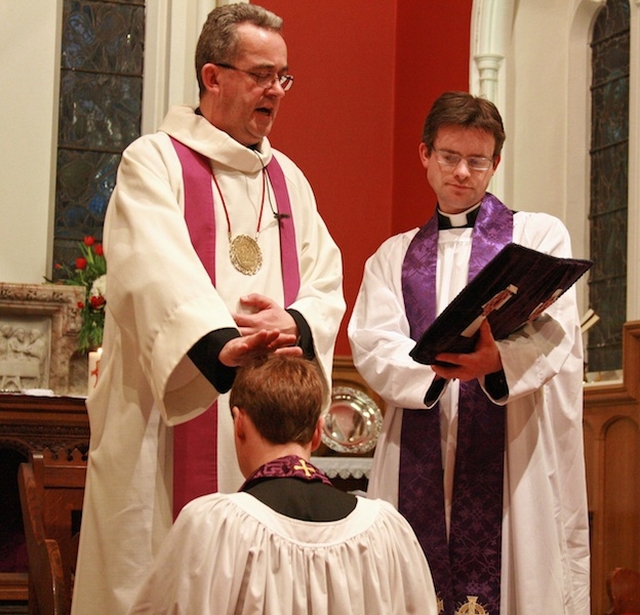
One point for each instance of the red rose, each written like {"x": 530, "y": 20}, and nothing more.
{"x": 89, "y": 240}
{"x": 97, "y": 302}
{"x": 80, "y": 305}
{"x": 81, "y": 262}
{"x": 98, "y": 249}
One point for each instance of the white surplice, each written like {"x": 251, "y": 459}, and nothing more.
{"x": 233, "y": 555}
{"x": 160, "y": 301}
{"x": 545, "y": 549}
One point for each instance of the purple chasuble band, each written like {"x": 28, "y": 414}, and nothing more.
{"x": 467, "y": 566}
{"x": 195, "y": 456}
{"x": 288, "y": 252}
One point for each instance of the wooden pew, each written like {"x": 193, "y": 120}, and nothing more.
{"x": 51, "y": 492}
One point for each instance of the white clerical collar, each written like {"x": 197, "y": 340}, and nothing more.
{"x": 460, "y": 220}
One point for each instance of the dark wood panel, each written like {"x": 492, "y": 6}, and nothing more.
{"x": 612, "y": 449}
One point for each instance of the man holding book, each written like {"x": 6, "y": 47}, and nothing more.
{"x": 482, "y": 452}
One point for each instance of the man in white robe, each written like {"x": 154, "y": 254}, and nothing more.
{"x": 535, "y": 375}
{"x": 289, "y": 542}
{"x": 173, "y": 336}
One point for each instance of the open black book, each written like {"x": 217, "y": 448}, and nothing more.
{"x": 514, "y": 288}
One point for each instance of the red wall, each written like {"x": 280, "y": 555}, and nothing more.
{"x": 366, "y": 74}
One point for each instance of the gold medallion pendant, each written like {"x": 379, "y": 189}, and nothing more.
{"x": 245, "y": 254}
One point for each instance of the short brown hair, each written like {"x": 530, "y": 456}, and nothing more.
{"x": 218, "y": 42}
{"x": 463, "y": 109}
{"x": 282, "y": 396}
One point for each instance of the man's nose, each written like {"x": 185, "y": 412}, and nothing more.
{"x": 462, "y": 169}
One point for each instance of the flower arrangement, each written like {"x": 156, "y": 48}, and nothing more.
{"x": 89, "y": 271}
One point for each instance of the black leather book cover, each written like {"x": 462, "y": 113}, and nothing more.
{"x": 514, "y": 288}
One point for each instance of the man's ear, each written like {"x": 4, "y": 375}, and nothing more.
{"x": 424, "y": 155}
{"x": 209, "y": 74}
{"x": 239, "y": 425}
{"x": 317, "y": 434}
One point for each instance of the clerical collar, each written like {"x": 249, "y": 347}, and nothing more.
{"x": 291, "y": 466}
{"x": 466, "y": 219}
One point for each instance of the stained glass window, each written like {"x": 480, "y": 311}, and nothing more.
{"x": 100, "y": 112}
{"x": 609, "y": 180}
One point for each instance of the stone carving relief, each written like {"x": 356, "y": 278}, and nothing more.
{"x": 39, "y": 325}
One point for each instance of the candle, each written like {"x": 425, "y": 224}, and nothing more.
{"x": 94, "y": 368}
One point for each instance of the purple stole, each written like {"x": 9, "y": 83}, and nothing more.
{"x": 195, "y": 455}
{"x": 467, "y": 567}
{"x": 291, "y": 466}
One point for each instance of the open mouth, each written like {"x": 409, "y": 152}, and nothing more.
{"x": 265, "y": 111}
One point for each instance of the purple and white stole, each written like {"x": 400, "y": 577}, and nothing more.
{"x": 291, "y": 466}
{"x": 466, "y": 568}
{"x": 195, "y": 455}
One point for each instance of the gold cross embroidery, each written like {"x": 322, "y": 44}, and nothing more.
{"x": 308, "y": 470}
{"x": 472, "y": 607}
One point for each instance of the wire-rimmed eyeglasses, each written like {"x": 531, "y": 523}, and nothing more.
{"x": 450, "y": 159}
{"x": 263, "y": 80}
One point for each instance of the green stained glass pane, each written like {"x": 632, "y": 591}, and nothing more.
{"x": 609, "y": 185}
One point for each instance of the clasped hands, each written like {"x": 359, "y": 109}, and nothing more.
{"x": 268, "y": 328}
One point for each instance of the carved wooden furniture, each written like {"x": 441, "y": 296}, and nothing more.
{"x": 31, "y": 424}
{"x": 612, "y": 449}
{"x": 47, "y": 592}
{"x": 51, "y": 492}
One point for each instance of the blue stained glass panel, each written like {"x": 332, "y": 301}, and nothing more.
{"x": 99, "y": 111}
{"x": 101, "y": 73}
{"x": 85, "y": 182}
{"x": 103, "y": 36}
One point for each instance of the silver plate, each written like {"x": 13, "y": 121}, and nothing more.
{"x": 353, "y": 421}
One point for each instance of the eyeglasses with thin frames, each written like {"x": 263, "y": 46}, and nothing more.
{"x": 475, "y": 163}
{"x": 263, "y": 80}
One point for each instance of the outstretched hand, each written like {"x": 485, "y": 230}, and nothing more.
{"x": 240, "y": 350}
{"x": 485, "y": 359}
